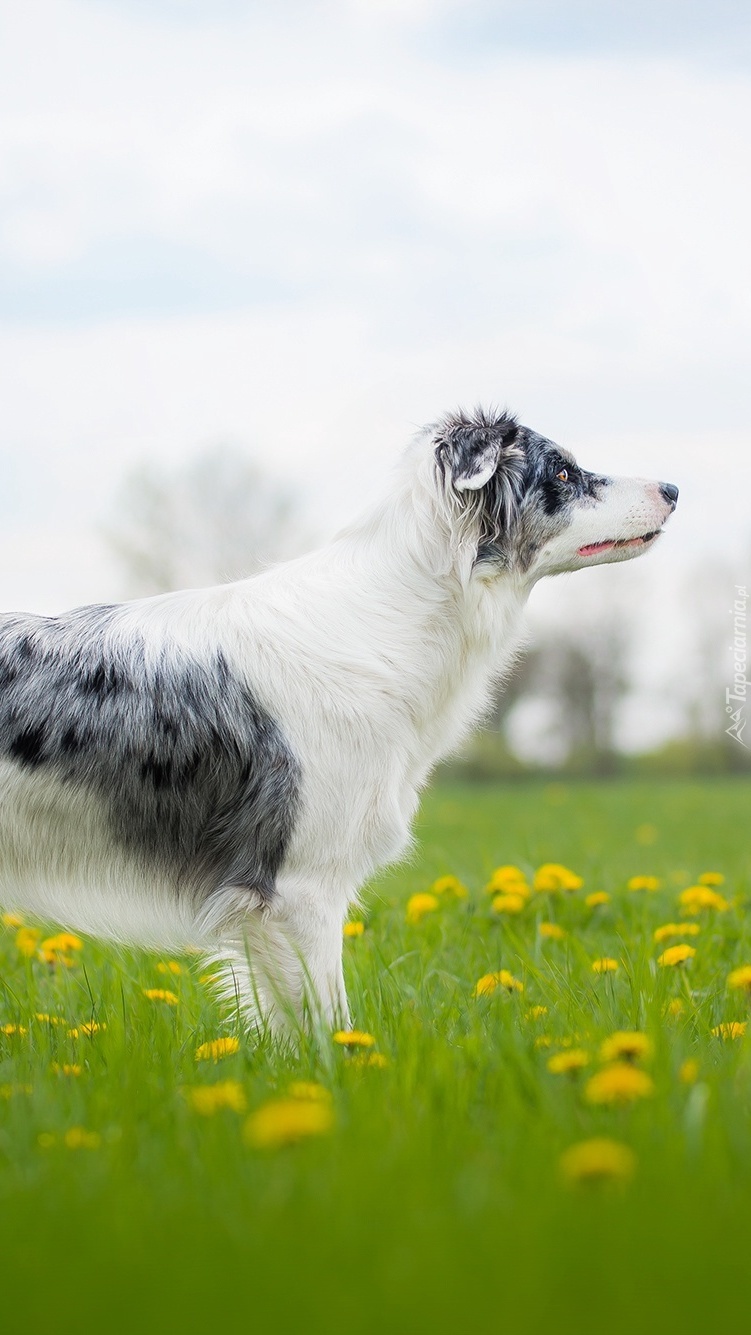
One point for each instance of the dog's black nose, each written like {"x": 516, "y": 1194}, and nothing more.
{"x": 670, "y": 493}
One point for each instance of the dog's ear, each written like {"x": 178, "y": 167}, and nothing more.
{"x": 475, "y": 462}
{"x": 470, "y": 448}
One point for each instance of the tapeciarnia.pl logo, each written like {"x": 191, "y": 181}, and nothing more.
{"x": 736, "y": 696}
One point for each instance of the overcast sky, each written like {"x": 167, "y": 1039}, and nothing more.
{"x": 307, "y": 228}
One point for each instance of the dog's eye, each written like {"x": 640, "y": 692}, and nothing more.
{"x": 563, "y": 475}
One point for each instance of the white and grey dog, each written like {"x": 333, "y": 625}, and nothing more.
{"x": 225, "y": 767}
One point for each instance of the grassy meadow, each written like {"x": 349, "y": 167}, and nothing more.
{"x": 434, "y": 1179}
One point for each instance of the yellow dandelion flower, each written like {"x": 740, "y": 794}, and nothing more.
{"x": 543, "y": 1041}
{"x": 67, "y": 1068}
{"x": 88, "y": 1029}
{"x": 353, "y": 1038}
{"x": 490, "y": 981}
{"x": 10, "y": 1091}
{"x": 508, "y": 881}
{"x": 646, "y": 834}
{"x": 698, "y": 897}
{"x": 450, "y": 886}
{"x": 650, "y": 883}
{"x": 27, "y": 940}
{"x": 56, "y": 958}
{"x": 671, "y": 929}
{"x": 626, "y": 1046}
{"x": 62, "y": 942}
{"x": 353, "y": 929}
{"x": 597, "y": 898}
{"x": 419, "y": 905}
{"x": 605, "y": 965}
{"x": 598, "y": 1160}
{"x": 159, "y": 994}
{"x": 688, "y": 1071}
{"x": 371, "y": 1059}
{"x": 550, "y": 931}
{"x": 552, "y": 877}
{"x": 676, "y": 1007}
{"x": 536, "y": 1012}
{"x": 286, "y": 1121}
{"x": 77, "y": 1138}
{"x": 217, "y": 1048}
{"x": 44, "y": 1018}
{"x": 730, "y": 1029}
{"x": 309, "y": 1089}
{"x": 740, "y": 979}
{"x": 170, "y": 966}
{"x": 508, "y": 903}
{"x": 713, "y": 878}
{"x": 13, "y": 1030}
{"x": 209, "y": 1099}
{"x": 12, "y": 920}
{"x": 620, "y": 1083}
{"x": 676, "y": 955}
{"x": 568, "y": 1062}
{"x": 55, "y": 950}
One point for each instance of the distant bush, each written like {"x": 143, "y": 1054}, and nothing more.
{"x": 487, "y": 758}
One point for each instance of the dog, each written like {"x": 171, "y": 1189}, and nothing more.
{"x": 223, "y": 768}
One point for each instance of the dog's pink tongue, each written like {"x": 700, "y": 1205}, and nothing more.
{"x": 595, "y": 547}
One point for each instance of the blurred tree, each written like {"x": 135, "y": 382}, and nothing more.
{"x": 569, "y": 704}
{"x": 581, "y": 678}
{"x": 216, "y": 518}
{"x": 590, "y": 681}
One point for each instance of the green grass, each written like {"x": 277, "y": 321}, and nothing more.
{"x": 436, "y": 1203}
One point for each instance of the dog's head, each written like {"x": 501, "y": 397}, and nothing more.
{"x": 530, "y": 508}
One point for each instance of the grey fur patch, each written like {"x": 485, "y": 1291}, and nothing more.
{"x": 548, "y": 504}
{"x": 194, "y": 774}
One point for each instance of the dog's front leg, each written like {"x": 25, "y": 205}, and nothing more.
{"x": 282, "y": 965}
{"x": 314, "y": 932}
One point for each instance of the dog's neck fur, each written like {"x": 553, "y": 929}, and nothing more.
{"x": 466, "y": 625}
{"x": 401, "y": 590}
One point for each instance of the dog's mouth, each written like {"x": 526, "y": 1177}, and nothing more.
{"x": 615, "y": 545}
